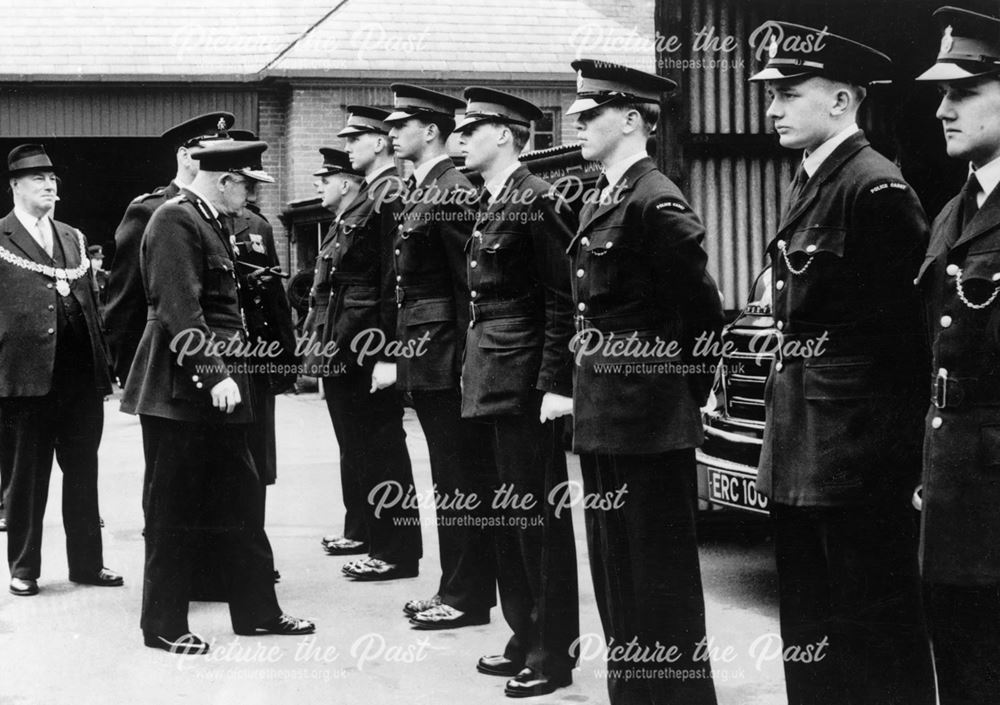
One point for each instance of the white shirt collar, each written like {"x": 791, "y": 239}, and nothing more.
{"x": 616, "y": 171}
{"x": 814, "y": 159}
{"x": 211, "y": 209}
{"x": 988, "y": 176}
{"x": 29, "y": 221}
{"x": 378, "y": 172}
{"x": 496, "y": 184}
{"x": 420, "y": 172}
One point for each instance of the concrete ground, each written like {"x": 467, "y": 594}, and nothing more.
{"x": 81, "y": 645}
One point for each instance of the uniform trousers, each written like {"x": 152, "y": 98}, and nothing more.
{"x": 461, "y": 467}
{"x": 848, "y": 578}
{"x": 201, "y": 482}
{"x": 964, "y": 623}
{"x": 355, "y": 501}
{"x": 536, "y": 548}
{"x": 647, "y": 579}
{"x": 369, "y": 429}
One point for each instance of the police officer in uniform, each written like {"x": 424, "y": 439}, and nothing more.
{"x": 518, "y": 376}
{"x": 195, "y": 410}
{"x": 432, "y": 296}
{"x": 960, "y": 280}
{"x": 638, "y": 273}
{"x": 53, "y": 377}
{"x": 356, "y": 261}
{"x": 125, "y": 315}
{"x": 841, "y": 447}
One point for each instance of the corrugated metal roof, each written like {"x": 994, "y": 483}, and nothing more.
{"x": 244, "y": 40}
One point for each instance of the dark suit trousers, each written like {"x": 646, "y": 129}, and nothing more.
{"x": 536, "y": 550}
{"x": 460, "y": 467}
{"x": 369, "y": 430}
{"x": 67, "y": 423}
{"x": 647, "y": 579}
{"x": 201, "y": 482}
{"x": 849, "y": 575}
{"x": 355, "y": 501}
{"x": 964, "y": 622}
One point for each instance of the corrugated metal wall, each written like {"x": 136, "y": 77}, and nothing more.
{"x": 115, "y": 112}
{"x": 736, "y": 172}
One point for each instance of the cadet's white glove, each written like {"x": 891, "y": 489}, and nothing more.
{"x": 384, "y": 375}
{"x": 226, "y": 395}
{"x": 554, "y": 406}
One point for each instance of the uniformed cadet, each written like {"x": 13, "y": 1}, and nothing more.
{"x": 53, "y": 377}
{"x": 195, "y": 409}
{"x": 638, "y": 273}
{"x": 841, "y": 447}
{"x": 432, "y": 296}
{"x": 125, "y": 315}
{"x": 355, "y": 267}
{"x": 960, "y": 281}
{"x": 518, "y": 377}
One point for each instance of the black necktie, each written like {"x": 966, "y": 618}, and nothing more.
{"x": 798, "y": 185}
{"x": 970, "y": 200}
{"x": 411, "y": 182}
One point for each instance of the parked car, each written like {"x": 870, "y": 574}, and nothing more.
{"x": 734, "y": 415}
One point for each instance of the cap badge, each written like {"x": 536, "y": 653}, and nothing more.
{"x": 579, "y": 81}
{"x": 222, "y": 125}
{"x": 772, "y": 49}
{"x": 947, "y": 41}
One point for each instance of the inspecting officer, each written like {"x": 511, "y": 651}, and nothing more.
{"x": 125, "y": 315}
{"x": 432, "y": 296}
{"x": 960, "y": 282}
{"x": 841, "y": 447}
{"x": 638, "y": 273}
{"x": 518, "y": 377}
{"x": 195, "y": 410}
{"x": 53, "y": 377}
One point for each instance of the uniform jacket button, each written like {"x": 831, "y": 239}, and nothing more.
{"x": 579, "y": 272}
{"x": 52, "y": 331}
{"x": 936, "y": 422}
{"x": 951, "y": 270}
{"x": 811, "y": 248}
{"x": 473, "y": 264}
{"x": 945, "y": 321}
{"x": 780, "y": 284}
{"x": 585, "y": 241}
{"x": 779, "y": 365}
{"x": 780, "y": 325}
{"x": 581, "y": 306}
{"x": 397, "y": 251}
{"x": 51, "y": 307}
{"x": 199, "y": 385}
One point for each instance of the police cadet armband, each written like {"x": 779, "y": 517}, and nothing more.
{"x": 888, "y": 186}
{"x": 673, "y": 205}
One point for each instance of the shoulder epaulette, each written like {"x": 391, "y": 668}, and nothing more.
{"x": 146, "y": 196}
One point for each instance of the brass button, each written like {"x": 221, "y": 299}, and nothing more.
{"x": 579, "y": 272}
{"x": 52, "y": 331}
{"x": 473, "y": 264}
{"x": 199, "y": 385}
{"x": 607, "y": 245}
{"x": 581, "y": 306}
{"x": 397, "y": 252}
{"x": 779, "y": 365}
{"x": 399, "y": 277}
{"x": 585, "y": 241}
{"x": 780, "y": 284}
{"x": 951, "y": 270}
{"x": 48, "y": 286}
{"x": 477, "y": 234}
{"x": 473, "y": 293}
{"x": 51, "y": 307}
{"x": 811, "y": 248}
{"x": 780, "y": 325}
{"x": 945, "y": 321}
{"x": 936, "y": 422}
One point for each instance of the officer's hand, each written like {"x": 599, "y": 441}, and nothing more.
{"x": 554, "y": 406}
{"x": 384, "y": 375}
{"x": 226, "y": 395}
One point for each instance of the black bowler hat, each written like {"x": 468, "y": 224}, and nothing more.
{"x": 488, "y": 105}
{"x": 210, "y": 126}
{"x": 413, "y": 101}
{"x": 26, "y": 158}
{"x": 336, "y": 161}
{"x": 970, "y": 46}
{"x": 797, "y": 51}
{"x": 362, "y": 119}
{"x": 601, "y": 82}
{"x": 233, "y": 156}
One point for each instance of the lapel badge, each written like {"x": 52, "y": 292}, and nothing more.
{"x": 947, "y": 41}
{"x": 257, "y": 243}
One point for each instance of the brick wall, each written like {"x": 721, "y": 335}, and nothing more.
{"x": 271, "y": 127}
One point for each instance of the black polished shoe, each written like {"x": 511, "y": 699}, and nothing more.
{"x": 282, "y": 624}
{"x": 528, "y": 683}
{"x": 185, "y": 644}
{"x": 375, "y": 569}
{"x": 23, "y": 587}
{"x": 498, "y": 666}
{"x": 342, "y": 546}
{"x": 414, "y": 606}
{"x": 447, "y": 617}
{"x": 102, "y": 578}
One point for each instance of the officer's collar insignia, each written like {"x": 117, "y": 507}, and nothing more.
{"x": 772, "y": 50}
{"x": 947, "y": 41}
